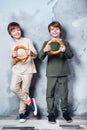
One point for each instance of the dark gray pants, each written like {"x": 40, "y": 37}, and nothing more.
{"x": 61, "y": 83}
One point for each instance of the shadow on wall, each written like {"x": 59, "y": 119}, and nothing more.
{"x": 72, "y": 80}
{"x": 35, "y": 76}
{"x": 35, "y": 81}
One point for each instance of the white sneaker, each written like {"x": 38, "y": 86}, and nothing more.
{"x": 22, "y": 118}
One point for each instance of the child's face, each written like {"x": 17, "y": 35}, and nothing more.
{"x": 16, "y": 33}
{"x": 55, "y": 32}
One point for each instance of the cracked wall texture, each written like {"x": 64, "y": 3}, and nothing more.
{"x": 34, "y": 17}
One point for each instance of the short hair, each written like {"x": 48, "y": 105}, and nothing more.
{"x": 55, "y": 24}
{"x": 12, "y": 26}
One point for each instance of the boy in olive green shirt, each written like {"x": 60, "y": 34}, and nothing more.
{"x": 57, "y": 70}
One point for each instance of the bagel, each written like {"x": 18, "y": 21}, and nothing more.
{"x": 59, "y": 41}
{"x": 21, "y": 47}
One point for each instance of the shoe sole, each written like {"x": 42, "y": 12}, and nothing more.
{"x": 22, "y": 120}
{"x": 35, "y": 112}
{"x": 52, "y": 122}
{"x": 69, "y": 121}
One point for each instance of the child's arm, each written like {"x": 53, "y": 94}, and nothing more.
{"x": 13, "y": 57}
{"x": 47, "y": 48}
{"x": 62, "y": 48}
{"x": 43, "y": 52}
{"x": 32, "y": 54}
{"x": 32, "y": 51}
{"x": 13, "y": 60}
{"x": 68, "y": 52}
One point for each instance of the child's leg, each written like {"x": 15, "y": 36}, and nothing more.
{"x": 22, "y": 107}
{"x": 51, "y": 82}
{"x": 22, "y": 110}
{"x": 20, "y": 86}
{"x": 25, "y": 89}
{"x": 16, "y": 87}
{"x": 63, "y": 92}
{"x": 50, "y": 91}
{"x": 16, "y": 84}
{"x": 25, "y": 85}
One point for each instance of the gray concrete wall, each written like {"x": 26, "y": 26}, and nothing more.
{"x": 34, "y": 17}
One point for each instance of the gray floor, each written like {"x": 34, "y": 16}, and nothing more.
{"x": 12, "y": 123}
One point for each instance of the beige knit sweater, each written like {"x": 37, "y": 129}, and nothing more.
{"x": 23, "y": 66}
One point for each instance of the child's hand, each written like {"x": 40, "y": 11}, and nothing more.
{"x": 47, "y": 48}
{"x": 29, "y": 52}
{"x": 14, "y": 54}
{"x": 62, "y": 48}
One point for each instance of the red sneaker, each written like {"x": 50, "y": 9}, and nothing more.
{"x": 33, "y": 106}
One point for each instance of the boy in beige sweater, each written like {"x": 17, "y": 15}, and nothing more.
{"x": 22, "y": 69}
